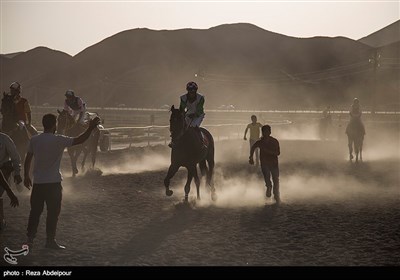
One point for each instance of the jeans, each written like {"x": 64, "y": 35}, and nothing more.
{"x": 269, "y": 171}
{"x": 50, "y": 193}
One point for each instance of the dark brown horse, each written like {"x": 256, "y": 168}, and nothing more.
{"x": 355, "y": 134}
{"x": 187, "y": 151}
{"x": 67, "y": 125}
{"x": 12, "y": 127}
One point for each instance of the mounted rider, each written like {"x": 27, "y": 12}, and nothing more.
{"x": 356, "y": 112}
{"x": 75, "y": 106}
{"x": 22, "y": 109}
{"x": 192, "y": 103}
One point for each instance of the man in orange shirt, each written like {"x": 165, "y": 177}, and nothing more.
{"x": 22, "y": 107}
{"x": 269, "y": 152}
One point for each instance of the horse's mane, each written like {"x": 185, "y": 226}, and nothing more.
{"x": 7, "y": 98}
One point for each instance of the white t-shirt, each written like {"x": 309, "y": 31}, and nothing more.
{"x": 47, "y": 150}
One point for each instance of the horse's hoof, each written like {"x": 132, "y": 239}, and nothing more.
{"x": 169, "y": 192}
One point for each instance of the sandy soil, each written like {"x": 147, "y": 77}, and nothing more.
{"x": 333, "y": 212}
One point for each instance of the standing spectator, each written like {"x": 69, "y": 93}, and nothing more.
{"x": 355, "y": 114}
{"x": 254, "y": 128}
{"x": 269, "y": 152}
{"x": 47, "y": 149}
{"x": 8, "y": 151}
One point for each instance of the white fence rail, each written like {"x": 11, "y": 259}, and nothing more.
{"x": 128, "y": 136}
{"x": 126, "y": 127}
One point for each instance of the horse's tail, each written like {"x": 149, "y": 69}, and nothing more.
{"x": 209, "y": 158}
{"x": 203, "y": 167}
{"x": 94, "y": 145}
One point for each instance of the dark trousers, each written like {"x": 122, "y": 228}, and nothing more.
{"x": 50, "y": 193}
{"x": 6, "y": 169}
{"x": 268, "y": 172}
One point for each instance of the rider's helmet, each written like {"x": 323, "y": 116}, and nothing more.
{"x": 70, "y": 93}
{"x": 15, "y": 87}
{"x": 191, "y": 86}
{"x": 356, "y": 101}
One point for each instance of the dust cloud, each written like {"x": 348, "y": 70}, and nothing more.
{"x": 141, "y": 163}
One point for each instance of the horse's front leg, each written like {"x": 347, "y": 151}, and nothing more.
{"x": 173, "y": 168}
{"x": 93, "y": 146}
{"x": 189, "y": 181}
{"x": 79, "y": 150}
{"x": 197, "y": 182}
{"x": 94, "y": 156}
{"x": 85, "y": 153}
{"x": 71, "y": 152}
{"x": 210, "y": 183}
{"x": 357, "y": 148}
{"x": 350, "y": 144}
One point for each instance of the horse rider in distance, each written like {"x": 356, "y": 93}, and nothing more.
{"x": 75, "y": 106}
{"x": 22, "y": 107}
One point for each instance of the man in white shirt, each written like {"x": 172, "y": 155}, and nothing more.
{"x": 47, "y": 150}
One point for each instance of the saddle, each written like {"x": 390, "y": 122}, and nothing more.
{"x": 201, "y": 137}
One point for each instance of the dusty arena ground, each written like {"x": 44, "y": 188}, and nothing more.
{"x": 332, "y": 212}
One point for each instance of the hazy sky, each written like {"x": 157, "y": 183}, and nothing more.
{"x": 71, "y": 26}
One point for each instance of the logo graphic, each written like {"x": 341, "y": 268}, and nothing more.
{"x": 10, "y": 255}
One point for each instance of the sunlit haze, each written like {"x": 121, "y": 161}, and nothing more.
{"x": 72, "y": 26}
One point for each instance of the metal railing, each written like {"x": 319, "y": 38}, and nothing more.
{"x": 223, "y": 124}
{"x": 128, "y": 136}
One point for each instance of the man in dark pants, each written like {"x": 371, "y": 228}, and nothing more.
{"x": 14, "y": 200}
{"x": 9, "y": 162}
{"x": 269, "y": 152}
{"x": 47, "y": 149}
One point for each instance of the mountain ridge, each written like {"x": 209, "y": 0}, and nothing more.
{"x": 147, "y": 68}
